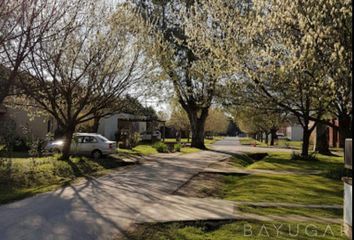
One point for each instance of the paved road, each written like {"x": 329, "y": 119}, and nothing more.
{"x": 232, "y": 145}
{"x": 100, "y": 208}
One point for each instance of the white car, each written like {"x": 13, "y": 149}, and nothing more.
{"x": 147, "y": 136}
{"x": 92, "y": 144}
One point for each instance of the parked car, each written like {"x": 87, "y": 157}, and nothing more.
{"x": 91, "y": 144}
{"x": 148, "y": 136}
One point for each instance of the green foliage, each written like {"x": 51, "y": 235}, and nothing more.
{"x": 135, "y": 139}
{"x": 161, "y": 147}
{"x": 37, "y": 148}
{"x": 177, "y": 147}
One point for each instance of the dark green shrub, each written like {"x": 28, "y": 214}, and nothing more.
{"x": 161, "y": 147}
{"x": 37, "y": 148}
{"x": 20, "y": 145}
{"x": 177, "y": 147}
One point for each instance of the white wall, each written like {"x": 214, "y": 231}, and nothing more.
{"x": 294, "y": 133}
{"x": 108, "y": 127}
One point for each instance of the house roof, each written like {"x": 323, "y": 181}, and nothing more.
{"x": 135, "y": 118}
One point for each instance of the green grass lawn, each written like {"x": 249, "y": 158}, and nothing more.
{"x": 297, "y": 189}
{"x": 282, "y": 211}
{"x": 283, "y": 143}
{"x": 142, "y": 149}
{"x": 183, "y": 140}
{"x": 282, "y": 161}
{"x": 24, "y": 177}
{"x": 286, "y": 188}
{"x": 145, "y": 149}
{"x": 283, "y": 189}
{"x": 186, "y": 150}
{"x": 240, "y": 230}
{"x": 206, "y": 141}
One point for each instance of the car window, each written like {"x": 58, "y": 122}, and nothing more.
{"x": 89, "y": 139}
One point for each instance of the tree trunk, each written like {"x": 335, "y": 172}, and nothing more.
{"x": 67, "y": 142}
{"x": 322, "y": 144}
{"x": 345, "y": 131}
{"x": 273, "y": 135}
{"x": 198, "y": 137}
{"x": 198, "y": 127}
{"x": 305, "y": 142}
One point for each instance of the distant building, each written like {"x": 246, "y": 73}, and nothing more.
{"x": 294, "y": 132}
{"x": 291, "y": 132}
{"x": 121, "y": 123}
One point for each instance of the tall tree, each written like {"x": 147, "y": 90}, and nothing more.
{"x": 193, "y": 75}
{"x": 81, "y": 71}
{"x": 295, "y": 52}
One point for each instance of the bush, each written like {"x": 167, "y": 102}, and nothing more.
{"x": 135, "y": 139}
{"x": 177, "y": 147}
{"x": 298, "y": 157}
{"x": 37, "y": 148}
{"x": 19, "y": 145}
{"x": 161, "y": 147}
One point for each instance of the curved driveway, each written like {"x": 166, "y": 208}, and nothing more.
{"x": 100, "y": 208}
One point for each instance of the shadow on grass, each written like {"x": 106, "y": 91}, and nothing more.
{"x": 21, "y": 178}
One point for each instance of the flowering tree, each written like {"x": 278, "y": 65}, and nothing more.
{"x": 293, "y": 52}
{"x": 192, "y": 72}
{"x": 80, "y": 73}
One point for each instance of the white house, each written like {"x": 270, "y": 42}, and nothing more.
{"x": 111, "y": 124}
